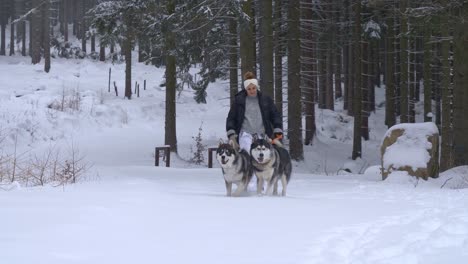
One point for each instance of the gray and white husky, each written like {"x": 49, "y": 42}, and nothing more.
{"x": 236, "y": 167}
{"x": 270, "y": 162}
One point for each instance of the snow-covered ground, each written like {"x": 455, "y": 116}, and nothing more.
{"x": 143, "y": 214}
{"x": 128, "y": 211}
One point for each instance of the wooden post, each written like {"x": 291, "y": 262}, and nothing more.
{"x": 156, "y": 157}
{"x": 110, "y": 70}
{"x": 144, "y": 85}
{"x": 138, "y": 90}
{"x": 116, "y": 91}
{"x": 210, "y": 156}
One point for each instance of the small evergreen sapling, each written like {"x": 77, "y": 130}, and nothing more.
{"x": 198, "y": 157}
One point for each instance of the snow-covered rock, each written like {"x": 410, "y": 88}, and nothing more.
{"x": 413, "y": 148}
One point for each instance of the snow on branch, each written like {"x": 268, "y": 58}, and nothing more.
{"x": 25, "y": 16}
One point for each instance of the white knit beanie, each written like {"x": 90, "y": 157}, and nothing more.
{"x": 249, "y": 81}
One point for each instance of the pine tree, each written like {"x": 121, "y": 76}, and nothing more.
{"x": 35, "y": 31}
{"x": 247, "y": 38}
{"x": 357, "y": 102}
{"x": 446, "y": 137}
{"x": 200, "y": 148}
{"x": 294, "y": 82}
{"x": 46, "y": 34}
{"x": 233, "y": 59}
{"x": 307, "y": 71}
{"x": 279, "y": 48}
{"x": 20, "y": 7}
{"x": 427, "y": 58}
{"x": 120, "y": 21}
{"x": 404, "y": 118}
{"x": 460, "y": 120}
{"x": 266, "y": 47}
{"x": 390, "y": 113}
{"x": 12, "y": 27}
{"x": 171, "y": 81}
{"x": 3, "y": 22}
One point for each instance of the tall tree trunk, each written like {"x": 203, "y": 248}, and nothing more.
{"x": 266, "y": 48}
{"x": 83, "y": 26}
{"x": 346, "y": 57}
{"x": 436, "y": 69}
{"x": 74, "y": 7}
{"x": 338, "y": 50}
{"x": 233, "y": 60}
{"x": 322, "y": 64}
{"x": 4, "y": 14}
{"x": 246, "y": 40}
{"x": 366, "y": 86}
{"x": 377, "y": 64}
{"x": 253, "y": 25}
{"x": 330, "y": 102}
{"x": 21, "y": 26}
{"x": 373, "y": 71}
{"x": 46, "y": 34}
{"x": 308, "y": 73}
{"x": 390, "y": 114}
{"x": 171, "y": 83}
{"x": 128, "y": 63}
{"x": 23, "y": 38}
{"x": 278, "y": 56}
{"x": 404, "y": 118}
{"x": 102, "y": 51}
{"x": 357, "y": 102}
{"x": 66, "y": 7}
{"x": 35, "y": 28}
{"x": 2, "y": 37}
{"x": 460, "y": 114}
{"x": 12, "y": 29}
{"x": 93, "y": 43}
{"x": 419, "y": 61}
{"x": 338, "y": 88}
{"x": 412, "y": 78}
{"x": 397, "y": 46}
{"x": 427, "y": 75}
{"x": 330, "y": 99}
{"x": 446, "y": 138}
{"x": 294, "y": 82}
{"x": 351, "y": 62}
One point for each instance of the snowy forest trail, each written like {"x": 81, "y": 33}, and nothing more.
{"x": 143, "y": 214}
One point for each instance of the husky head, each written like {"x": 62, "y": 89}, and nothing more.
{"x": 261, "y": 150}
{"x": 226, "y": 154}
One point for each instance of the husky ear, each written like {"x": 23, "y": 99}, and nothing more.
{"x": 268, "y": 139}
{"x": 221, "y": 141}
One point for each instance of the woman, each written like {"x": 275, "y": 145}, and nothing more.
{"x": 252, "y": 113}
